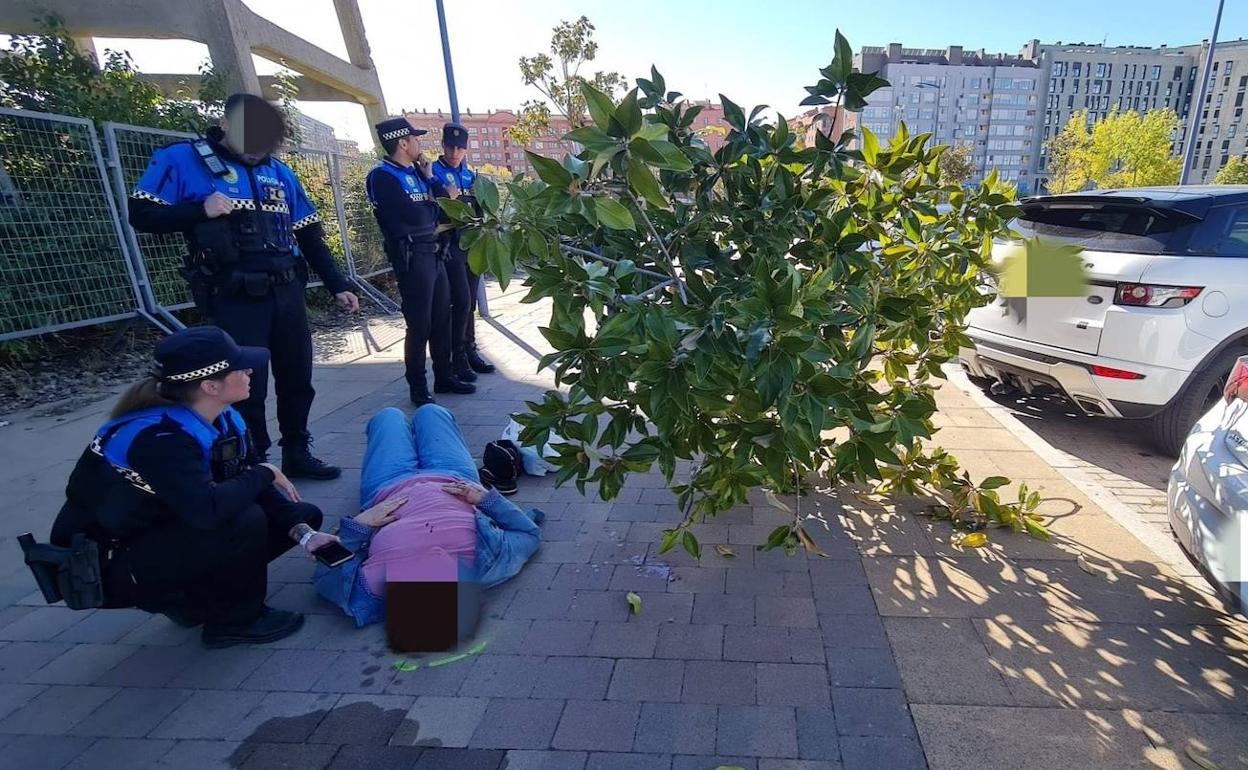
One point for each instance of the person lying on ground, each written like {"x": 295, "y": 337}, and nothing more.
{"x": 187, "y": 523}
{"x": 424, "y": 508}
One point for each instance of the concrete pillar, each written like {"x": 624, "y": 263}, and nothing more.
{"x": 87, "y": 46}
{"x": 352, "y": 23}
{"x": 228, "y": 46}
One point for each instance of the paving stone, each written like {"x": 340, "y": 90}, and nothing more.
{"x": 761, "y": 582}
{"x": 863, "y": 667}
{"x": 600, "y": 761}
{"x": 797, "y": 764}
{"x": 757, "y": 643}
{"x": 460, "y": 759}
{"x": 874, "y": 712}
{"x": 443, "y": 680}
{"x": 777, "y": 559}
{"x": 294, "y": 670}
{"x": 14, "y": 696}
{"x": 440, "y": 721}
{"x": 502, "y": 676}
{"x": 285, "y": 717}
{"x": 863, "y": 753}
{"x": 340, "y": 634}
{"x": 21, "y": 659}
{"x": 355, "y": 672}
{"x": 816, "y": 734}
{"x": 634, "y": 512}
{"x": 829, "y": 575}
{"x": 806, "y": 645}
{"x": 610, "y": 554}
{"x": 760, "y": 731}
{"x": 580, "y": 677}
{"x": 545, "y": 760}
{"x": 289, "y": 756}
{"x": 840, "y": 631}
{"x": 81, "y": 664}
{"x": 539, "y": 605}
{"x": 41, "y": 624}
{"x": 56, "y": 710}
{"x": 719, "y": 682}
{"x": 689, "y": 642}
{"x": 657, "y": 681}
{"x": 697, "y": 580}
{"x": 503, "y": 637}
{"x": 599, "y": 605}
{"x": 702, "y": 762}
{"x": 151, "y": 666}
{"x": 122, "y": 754}
{"x": 208, "y": 714}
{"x": 598, "y": 726}
{"x": 624, "y": 640}
{"x": 589, "y": 576}
{"x": 723, "y": 609}
{"x": 944, "y": 660}
{"x": 43, "y": 752}
{"x": 640, "y": 578}
{"x": 204, "y": 755}
{"x": 846, "y": 600}
{"x": 132, "y": 713}
{"x": 160, "y": 631}
{"x": 559, "y": 637}
{"x": 221, "y": 669}
{"x": 663, "y": 607}
{"x": 562, "y": 552}
{"x": 376, "y": 758}
{"x": 666, "y": 728}
{"x": 791, "y": 684}
{"x": 106, "y": 627}
{"x": 363, "y": 719}
{"x": 517, "y": 723}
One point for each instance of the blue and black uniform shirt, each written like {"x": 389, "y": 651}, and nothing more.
{"x": 404, "y": 203}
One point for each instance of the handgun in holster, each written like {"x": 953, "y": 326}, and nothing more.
{"x": 72, "y": 573}
{"x": 399, "y": 252}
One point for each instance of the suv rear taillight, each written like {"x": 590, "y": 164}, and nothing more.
{"x": 1149, "y": 295}
{"x": 1237, "y": 383}
{"x": 1115, "y": 374}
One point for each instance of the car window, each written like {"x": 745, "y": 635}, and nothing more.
{"x": 1106, "y": 227}
{"x": 1235, "y": 244}
{"x": 1224, "y": 233}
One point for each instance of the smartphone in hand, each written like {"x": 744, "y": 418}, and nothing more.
{"x": 333, "y": 554}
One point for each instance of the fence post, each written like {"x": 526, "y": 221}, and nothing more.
{"x": 340, "y": 210}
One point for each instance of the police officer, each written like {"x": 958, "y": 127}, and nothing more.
{"x": 452, "y": 170}
{"x": 186, "y": 524}
{"x": 401, "y": 190}
{"x": 252, "y": 233}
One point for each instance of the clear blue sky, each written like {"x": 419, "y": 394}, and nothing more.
{"x": 754, "y": 52}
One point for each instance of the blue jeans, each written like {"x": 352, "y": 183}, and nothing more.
{"x": 429, "y": 444}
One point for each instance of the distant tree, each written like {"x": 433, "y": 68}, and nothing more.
{"x": 957, "y": 166}
{"x": 1130, "y": 149}
{"x": 1234, "y": 172}
{"x": 1069, "y": 155}
{"x": 559, "y": 80}
{"x": 499, "y": 173}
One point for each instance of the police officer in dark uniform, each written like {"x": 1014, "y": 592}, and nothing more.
{"x": 452, "y": 170}
{"x": 252, "y": 234}
{"x": 402, "y": 190}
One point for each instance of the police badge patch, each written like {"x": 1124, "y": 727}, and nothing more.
{"x": 231, "y": 175}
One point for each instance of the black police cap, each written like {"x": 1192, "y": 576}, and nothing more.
{"x": 396, "y": 128}
{"x": 454, "y": 135}
{"x": 203, "y": 351}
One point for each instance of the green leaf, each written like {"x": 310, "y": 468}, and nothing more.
{"x": 476, "y": 254}
{"x": 842, "y": 61}
{"x": 627, "y": 116}
{"x": 486, "y": 192}
{"x": 405, "y": 666}
{"x": 634, "y": 603}
{"x": 550, "y": 170}
{"x": 643, "y": 182}
{"x": 776, "y": 502}
{"x": 732, "y": 113}
{"x": 457, "y": 210}
{"x": 613, "y": 214}
{"x": 600, "y": 105}
{"x": 994, "y": 482}
{"x": 691, "y": 544}
{"x": 760, "y": 339}
{"x": 870, "y": 146}
{"x": 668, "y": 542}
{"x": 653, "y": 132}
{"x": 589, "y": 136}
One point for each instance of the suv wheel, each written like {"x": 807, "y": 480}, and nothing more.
{"x": 1169, "y": 428}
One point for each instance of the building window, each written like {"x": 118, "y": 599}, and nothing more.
{"x": 1219, "y": 101}
{"x": 475, "y": 144}
{"x": 1100, "y": 69}
{"x": 1059, "y": 69}
{"x": 1076, "y": 69}
{"x": 1230, "y": 130}
{"x": 1156, "y": 73}
{"x": 1075, "y": 88}
{"x": 1178, "y": 73}
{"x": 1239, "y": 99}
{"x": 1227, "y": 69}
{"x": 1243, "y": 82}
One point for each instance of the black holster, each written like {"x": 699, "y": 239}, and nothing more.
{"x": 73, "y": 574}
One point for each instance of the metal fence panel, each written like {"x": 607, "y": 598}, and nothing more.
{"x": 367, "y": 250}
{"x": 315, "y": 169}
{"x": 62, "y": 259}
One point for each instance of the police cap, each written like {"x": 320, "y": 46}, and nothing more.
{"x": 454, "y": 135}
{"x": 203, "y": 351}
{"x": 392, "y": 129}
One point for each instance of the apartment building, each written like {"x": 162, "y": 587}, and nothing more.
{"x": 989, "y": 101}
{"x": 1221, "y": 133}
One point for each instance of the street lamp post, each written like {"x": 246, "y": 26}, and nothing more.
{"x": 936, "y": 112}
{"x": 1193, "y": 123}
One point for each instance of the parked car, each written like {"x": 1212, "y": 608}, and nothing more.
{"x": 1207, "y": 497}
{"x": 1165, "y": 315}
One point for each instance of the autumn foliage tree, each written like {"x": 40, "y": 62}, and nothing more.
{"x": 1126, "y": 149}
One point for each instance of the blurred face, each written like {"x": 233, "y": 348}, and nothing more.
{"x": 253, "y": 131}
{"x": 454, "y": 155}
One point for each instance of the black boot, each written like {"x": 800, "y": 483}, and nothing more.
{"x": 298, "y": 463}
{"x": 461, "y": 367}
{"x": 271, "y": 626}
{"x": 419, "y": 393}
{"x": 452, "y": 384}
{"x": 478, "y": 364}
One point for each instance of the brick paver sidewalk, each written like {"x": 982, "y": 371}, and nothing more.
{"x": 895, "y": 651}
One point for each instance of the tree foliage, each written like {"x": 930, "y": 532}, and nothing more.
{"x": 768, "y": 315}
{"x": 47, "y": 73}
{"x": 957, "y": 166}
{"x": 557, "y": 76}
{"x": 1234, "y": 172}
{"x": 1126, "y": 149}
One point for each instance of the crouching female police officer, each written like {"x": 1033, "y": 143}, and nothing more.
{"x": 186, "y": 527}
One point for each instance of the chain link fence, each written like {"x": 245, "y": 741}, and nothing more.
{"x": 62, "y": 261}
{"x": 68, "y": 256}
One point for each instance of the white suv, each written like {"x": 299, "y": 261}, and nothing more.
{"x": 1164, "y": 319}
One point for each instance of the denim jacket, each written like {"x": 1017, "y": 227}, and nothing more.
{"x": 500, "y": 554}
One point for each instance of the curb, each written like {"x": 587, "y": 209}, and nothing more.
{"x": 1163, "y": 546}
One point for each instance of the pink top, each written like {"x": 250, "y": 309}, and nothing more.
{"x": 433, "y": 532}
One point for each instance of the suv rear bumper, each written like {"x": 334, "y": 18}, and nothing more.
{"x": 995, "y": 359}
